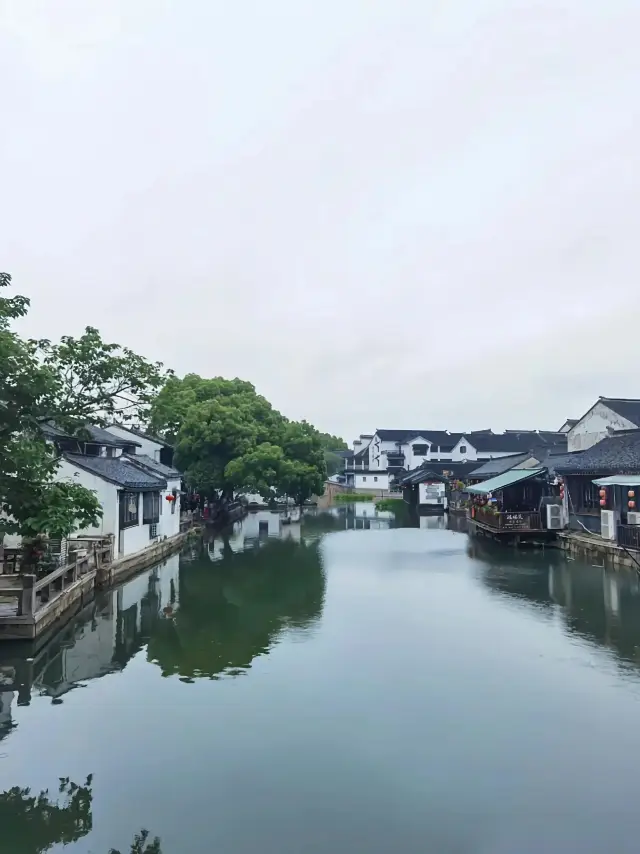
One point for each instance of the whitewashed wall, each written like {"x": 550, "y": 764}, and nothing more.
{"x": 371, "y": 481}
{"x": 169, "y": 524}
{"x": 594, "y": 426}
{"x": 107, "y": 494}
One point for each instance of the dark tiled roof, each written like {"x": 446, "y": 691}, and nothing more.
{"x": 617, "y": 454}
{"x": 96, "y": 435}
{"x": 455, "y": 469}
{"x": 499, "y": 465}
{"x": 118, "y": 470}
{"x": 366, "y": 471}
{"x": 628, "y": 408}
{"x": 571, "y": 422}
{"x": 441, "y": 438}
{"x": 420, "y": 475}
{"x": 554, "y": 462}
{"x": 344, "y": 454}
{"x": 361, "y": 455}
{"x": 153, "y": 466}
{"x": 517, "y": 442}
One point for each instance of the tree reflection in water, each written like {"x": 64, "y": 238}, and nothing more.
{"x": 141, "y": 845}
{"x": 233, "y": 610}
{"x": 33, "y": 824}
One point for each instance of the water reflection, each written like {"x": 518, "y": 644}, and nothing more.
{"x": 597, "y": 603}
{"x": 227, "y": 615}
{"x": 33, "y": 823}
{"x": 194, "y": 619}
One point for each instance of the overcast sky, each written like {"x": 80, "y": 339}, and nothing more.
{"x": 383, "y": 214}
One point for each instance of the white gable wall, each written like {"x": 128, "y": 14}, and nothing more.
{"x": 373, "y": 482}
{"x": 148, "y": 447}
{"x": 464, "y": 450}
{"x": 106, "y": 492}
{"x": 595, "y": 426}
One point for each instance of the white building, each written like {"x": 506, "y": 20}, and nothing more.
{"x": 130, "y": 497}
{"x": 605, "y": 417}
{"x": 396, "y": 450}
{"x": 133, "y": 479}
{"x": 140, "y": 442}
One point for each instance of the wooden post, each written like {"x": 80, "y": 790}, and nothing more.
{"x": 27, "y": 601}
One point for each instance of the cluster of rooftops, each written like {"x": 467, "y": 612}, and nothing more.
{"x": 115, "y": 456}
{"x": 614, "y": 454}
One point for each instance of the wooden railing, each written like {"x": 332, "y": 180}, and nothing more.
{"x": 508, "y": 521}
{"x": 33, "y": 593}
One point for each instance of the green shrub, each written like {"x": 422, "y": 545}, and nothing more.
{"x": 350, "y": 497}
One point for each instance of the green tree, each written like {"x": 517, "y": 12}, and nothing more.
{"x": 332, "y": 443}
{"x": 230, "y": 439}
{"x": 76, "y": 381}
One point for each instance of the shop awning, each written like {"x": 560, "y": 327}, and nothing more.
{"x": 502, "y": 480}
{"x": 619, "y": 480}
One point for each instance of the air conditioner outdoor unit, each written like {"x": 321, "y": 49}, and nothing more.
{"x": 555, "y": 517}
{"x": 633, "y": 518}
{"x": 608, "y": 524}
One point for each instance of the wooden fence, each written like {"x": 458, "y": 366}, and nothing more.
{"x": 32, "y": 593}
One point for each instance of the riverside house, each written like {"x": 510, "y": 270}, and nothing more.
{"x": 139, "y": 494}
{"x": 602, "y": 488}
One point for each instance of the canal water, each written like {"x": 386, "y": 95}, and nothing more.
{"x": 349, "y": 683}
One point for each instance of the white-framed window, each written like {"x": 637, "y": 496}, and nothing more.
{"x": 375, "y": 480}
{"x": 363, "y": 479}
{"x": 463, "y": 449}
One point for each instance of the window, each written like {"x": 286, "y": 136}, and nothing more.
{"x": 363, "y": 479}
{"x": 128, "y": 509}
{"x": 420, "y": 450}
{"x": 375, "y": 480}
{"x": 150, "y": 508}
{"x": 463, "y": 449}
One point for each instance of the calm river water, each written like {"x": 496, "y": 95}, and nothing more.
{"x": 340, "y": 685}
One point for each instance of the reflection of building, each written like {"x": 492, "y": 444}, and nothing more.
{"x": 363, "y": 515}
{"x": 255, "y": 528}
{"x": 102, "y": 639}
{"x": 6, "y": 699}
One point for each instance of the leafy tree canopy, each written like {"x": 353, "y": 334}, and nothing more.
{"x": 75, "y": 381}
{"x": 229, "y": 438}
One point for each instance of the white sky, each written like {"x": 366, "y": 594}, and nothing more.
{"x": 384, "y": 214}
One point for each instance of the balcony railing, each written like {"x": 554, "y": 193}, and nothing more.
{"x": 512, "y": 520}
{"x": 629, "y": 536}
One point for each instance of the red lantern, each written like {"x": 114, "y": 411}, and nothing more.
{"x": 603, "y": 502}
{"x": 169, "y": 497}
{"x": 632, "y": 504}
{"x": 631, "y": 493}
{"x": 603, "y": 493}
